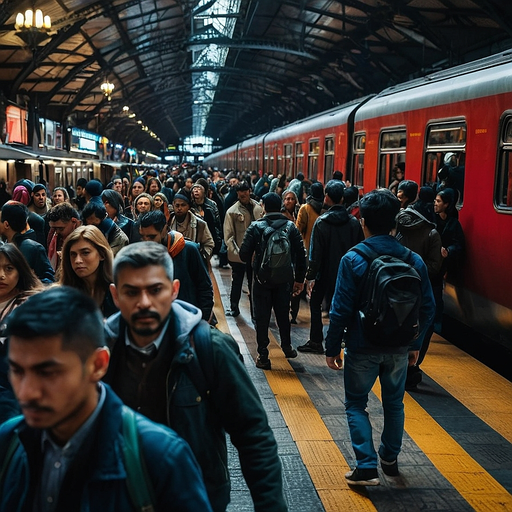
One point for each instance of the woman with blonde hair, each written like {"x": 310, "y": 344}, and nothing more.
{"x": 87, "y": 265}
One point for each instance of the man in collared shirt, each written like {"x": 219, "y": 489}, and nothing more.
{"x": 68, "y": 448}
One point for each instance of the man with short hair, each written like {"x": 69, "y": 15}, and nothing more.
{"x": 80, "y": 199}
{"x": 333, "y": 234}
{"x": 407, "y": 192}
{"x": 200, "y": 392}
{"x": 271, "y": 295}
{"x": 196, "y": 285}
{"x": 238, "y": 219}
{"x": 63, "y": 219}
{"x": 13, "y": 225}
{"x": 95, "y": 214}
{"x": 39, "y": 202}
{"x": 113, "y": 202}
{"x": 364, "y": 361}
{"x": 191, "y": 226}
{"x": 70, "y": 447}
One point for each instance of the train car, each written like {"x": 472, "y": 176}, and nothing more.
{"x": 462, "y": 115}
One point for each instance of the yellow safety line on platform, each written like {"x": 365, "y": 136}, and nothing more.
{"x": 320, "y": 454}
{"x": 468, "y": 477}
{"x": 218, "y": 308}
{"x": 485, "y": 393}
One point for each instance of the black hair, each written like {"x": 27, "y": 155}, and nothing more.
{"x": 154, "y": 218}
{"x": 272, "y": 202}
{"x": 61, "y": 311}
{"x": 350, "y": 196}
{"x": 409, "y": 188}
{"x": 27, "y": 280}
{"x": 16, "y": 214}
{"x": 62, "y": 211}
{"x": 94, "y": 208}
{"x": 81, "y": 182}
{"x": 113, "y": 198}
{"x": 335, "y": 190}
{"x": 379, "y": 208}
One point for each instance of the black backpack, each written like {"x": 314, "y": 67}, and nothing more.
{"x": 389, "y": 299}
{"x": 276, "y": 260}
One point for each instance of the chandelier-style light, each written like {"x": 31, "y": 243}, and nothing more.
{"x": 107, "y": 89}
{"x": 32, "y": 27}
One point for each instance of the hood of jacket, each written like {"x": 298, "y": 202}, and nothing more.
{"x": 336, "y": 214}
{"x": 186, "y": 317}
{"x": 275, "y": 219}
{"x": 410, "y": 219}
{"x": 315, "y": 204}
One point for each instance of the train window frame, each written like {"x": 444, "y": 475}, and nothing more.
{"x": 358, "y": 153}
{"x": 503, "y": 172}
{"x": 313, "y": 156}
{"x": 299, "y": 157}
{"x": 390, "y": 154}
{"x": 329, "y": 156}
{"x": 435, "y": 153}
{"x": 288, "y": 159}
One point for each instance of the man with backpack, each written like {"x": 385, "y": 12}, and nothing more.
{"x": 383, "y": 299}
{"x": 172, "y": 367}
{"x": 279, "y": 267}
{"x": 78, "y": 447}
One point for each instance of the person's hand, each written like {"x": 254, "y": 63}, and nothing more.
{"x": 335, "y": 363}
{"x": 297, "y": 288}
{"x": 309, "y": 287}
{"x": 413, "y": 357}
{"x": 444, "y": 252}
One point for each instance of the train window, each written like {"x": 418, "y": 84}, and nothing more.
{"x": 503, "y": 185}
{"x": 392, "y": 151}
{"x": 287, "y": 170}
{"x": 358, "y": 159}
{"x": 299, "y": 158}
{"x": 329, "y": 158}
{"x": 314, "y": 150}
{"x": 445, "y": 156}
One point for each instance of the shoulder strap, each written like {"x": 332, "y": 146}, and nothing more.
{"x": 139, "y": 485}
{"x": 365, "y": 251}
{"x": 11, "y": 448}
{"x": 203, "y": 373}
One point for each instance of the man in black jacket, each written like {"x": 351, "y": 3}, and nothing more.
{"x": 275, "y": 296}
{"x": 334, "y": 233}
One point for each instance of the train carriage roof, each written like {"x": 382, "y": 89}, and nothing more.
{"x": 227, "y": 69}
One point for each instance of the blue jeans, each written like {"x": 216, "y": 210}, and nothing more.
{"x": 361, "y": 372}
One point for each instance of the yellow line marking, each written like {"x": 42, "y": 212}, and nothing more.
{"x": 485, "y": 393}
{"x": 320, "y": 454}
{"x": 218, "y": 308}
{"x": 468, "y": 477}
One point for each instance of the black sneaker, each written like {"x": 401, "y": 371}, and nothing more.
{"x": 263, "y": 363}
{"x": 233, "y": 312}
{"x": 289, "y": 352}
{"x": 413, "y": 379}
{"x": 363, "y": 477}
{"x": 389, "y": 468}
{"x": 309, "y": 346}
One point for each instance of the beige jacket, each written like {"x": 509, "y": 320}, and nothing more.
{"x": 197, "y": 231}
{"x": 238, "y": 219}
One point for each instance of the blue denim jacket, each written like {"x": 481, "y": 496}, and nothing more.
{"x": 343, "y": 314}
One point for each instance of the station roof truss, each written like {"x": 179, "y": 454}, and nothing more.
{"x": 228, "y": 69}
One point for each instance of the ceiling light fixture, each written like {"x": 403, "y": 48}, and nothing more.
{"x": 33, "y": 27}
{"x": 107, "y": 88}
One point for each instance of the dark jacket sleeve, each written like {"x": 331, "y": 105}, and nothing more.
{"x": 316, "y": 249}
{"x": 239, "y": 407}
{"x": 204, "y": 287}
{"x": 299, "y": 254}
{"x": 249, "y": 243}
{"x": 42, "y": 266}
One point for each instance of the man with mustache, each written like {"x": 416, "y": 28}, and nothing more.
{"x": 172, "y": 367}
{"x": 67, "y": 452}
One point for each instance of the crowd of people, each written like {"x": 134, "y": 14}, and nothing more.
{"x": 135, "y": 256}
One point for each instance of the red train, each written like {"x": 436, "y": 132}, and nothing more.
{"x": 466, "y": 111}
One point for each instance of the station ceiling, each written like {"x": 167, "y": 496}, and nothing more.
{"x": 228, "y": 69}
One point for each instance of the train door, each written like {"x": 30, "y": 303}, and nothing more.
{"x": 357, "y": 177}
{"x": 503, "y": 184}
{"x": 287, "y": 165}
{"x": 314, "y": 150}
{"x": 446, "y": 155}
{"x": 391, "y": 152}
{"x": 299, "y": 158}
{"x": 328, "y": 158}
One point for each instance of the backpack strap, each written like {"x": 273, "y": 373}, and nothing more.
{"x": 14, "y": 443}
{"x": 139, "y": 485}
{"x": 201, "y": 368}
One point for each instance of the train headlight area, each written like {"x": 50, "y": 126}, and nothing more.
{"x": 457, "y": 445}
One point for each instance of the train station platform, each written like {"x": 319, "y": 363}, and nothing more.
{"x": 456, "y": 454}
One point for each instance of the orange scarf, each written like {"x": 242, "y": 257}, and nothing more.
{"x": 175, "y": 243}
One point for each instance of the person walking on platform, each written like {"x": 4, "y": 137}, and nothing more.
{"x": 78, "y": 447}
{"x": 369, "y": 353}
{"x": 171, "y": 366}
{"x": 273, "y": 286}
{"x": 238, "y": 219}
{"x": 334, "y": 233}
